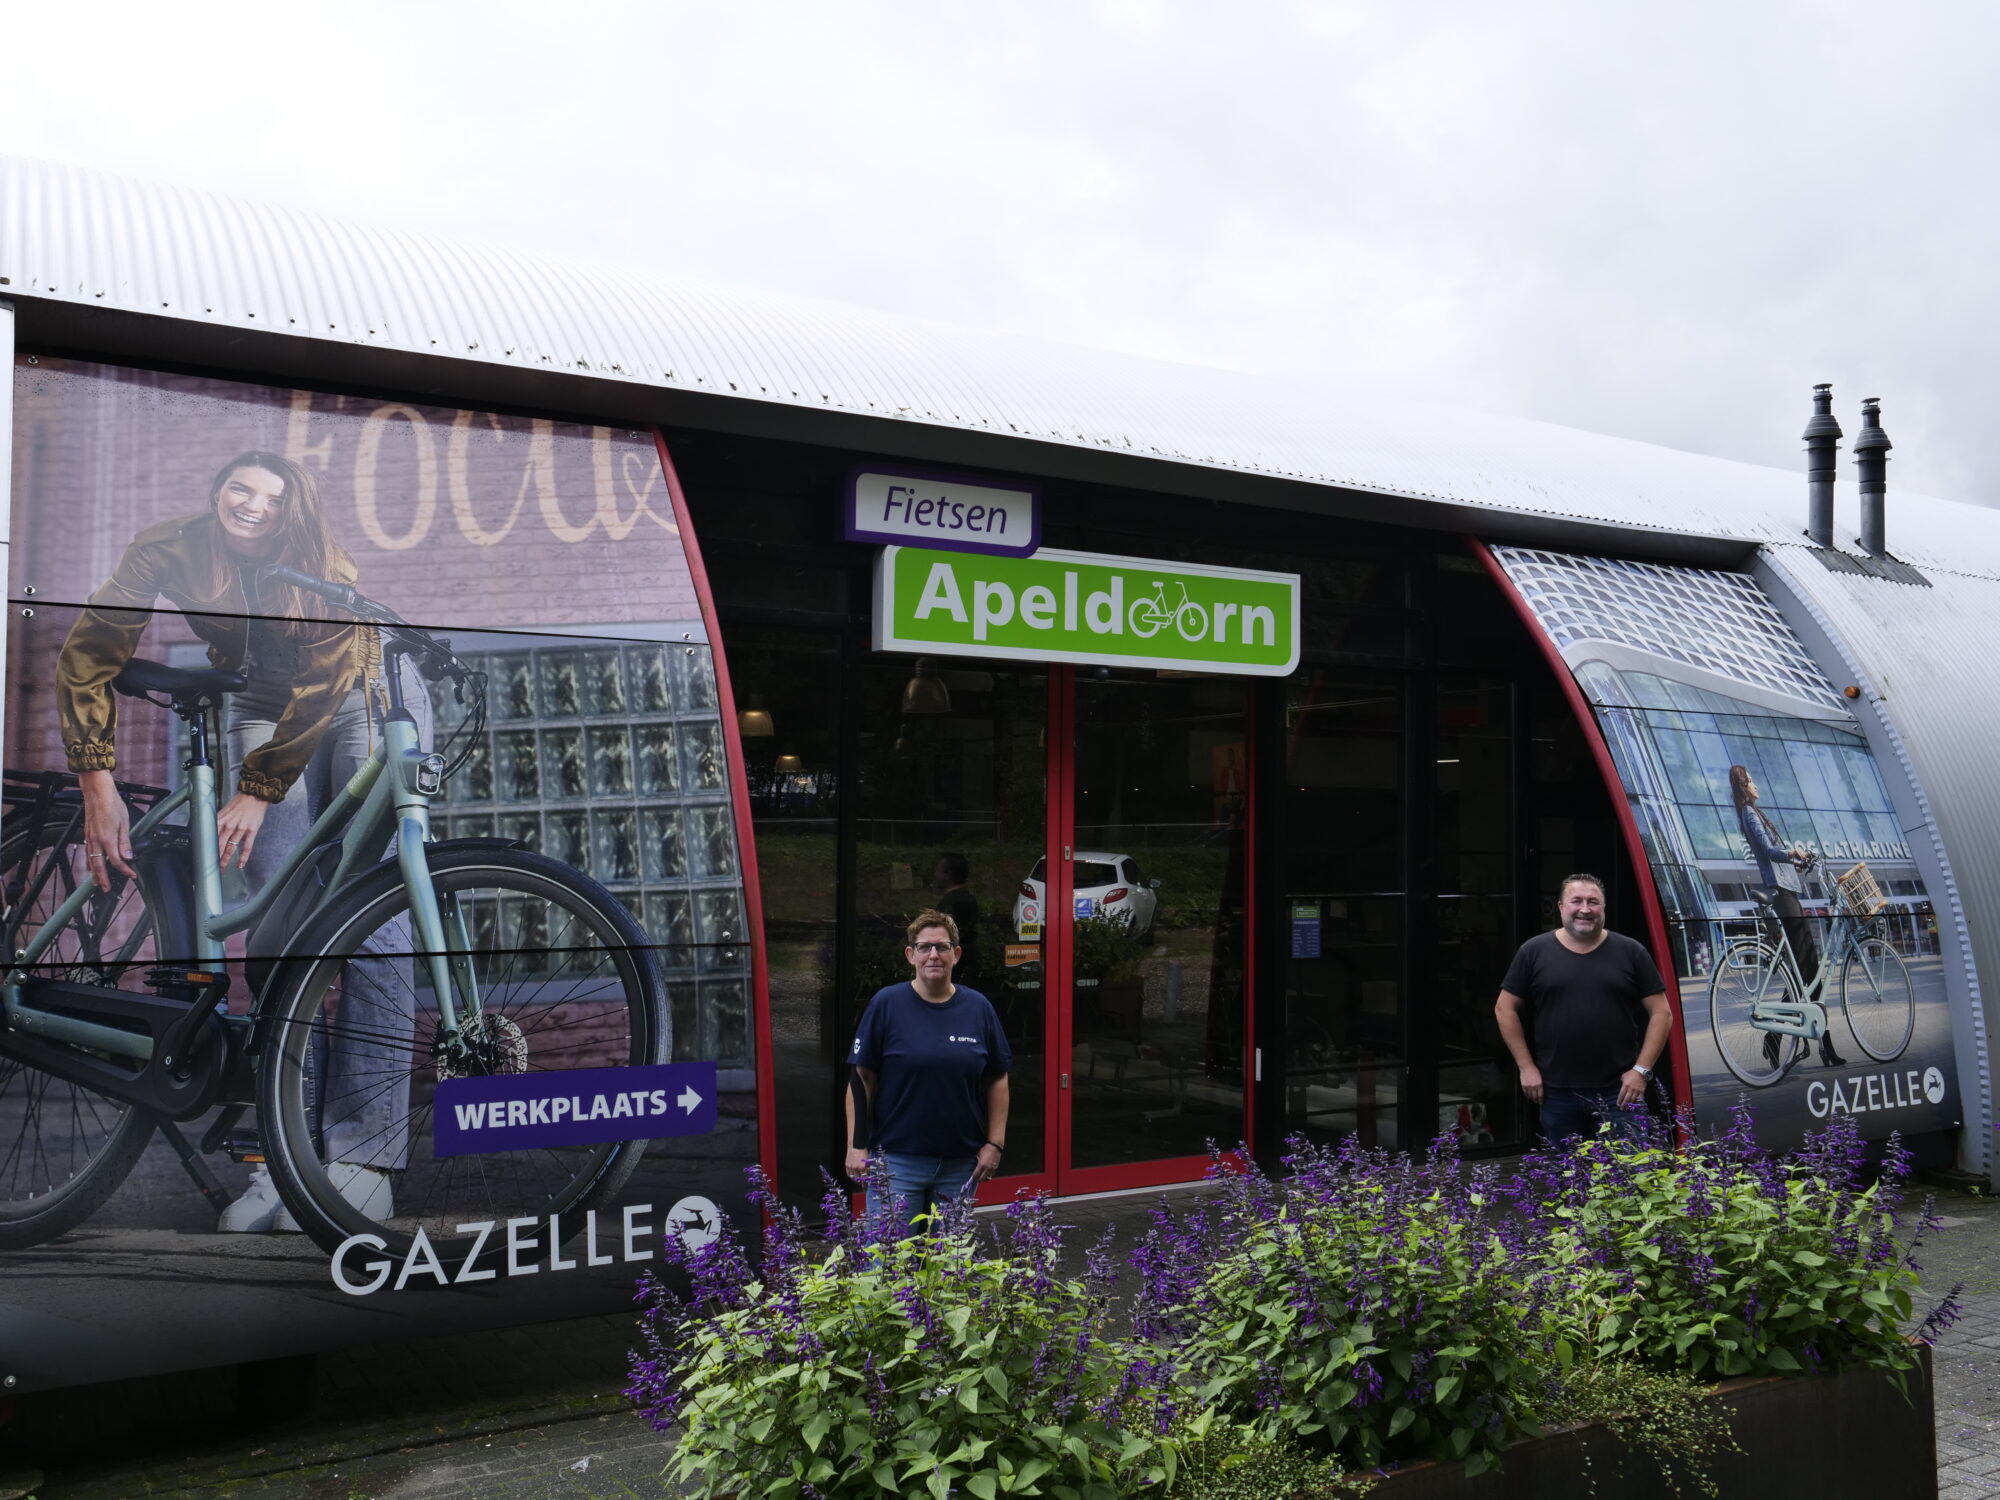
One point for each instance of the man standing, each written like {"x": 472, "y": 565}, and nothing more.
{"x": 957, "y": 902}
{"x": 1598, "y": 1010}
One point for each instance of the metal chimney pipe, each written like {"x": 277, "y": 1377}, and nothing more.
{"x": 1871, "y": 463}
{"x": 1822, "y": 446}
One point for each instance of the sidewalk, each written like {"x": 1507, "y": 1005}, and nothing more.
{"x": 534, "y": 1414}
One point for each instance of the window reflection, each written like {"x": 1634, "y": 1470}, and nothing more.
{"x": 1162, "y": 782}
{"x": 1345, "y": 1064}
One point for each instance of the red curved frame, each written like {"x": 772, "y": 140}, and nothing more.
{"x": 746, "y": 837}
{"x": 1680, "y": 1081}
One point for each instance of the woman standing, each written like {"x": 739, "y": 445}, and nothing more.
{"x": 300, "y": 728}
{"x": 933, "y": 1061}
{"x": 1778, "y": 870}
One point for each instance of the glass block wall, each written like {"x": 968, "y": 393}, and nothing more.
{"x": 610, "y": 756}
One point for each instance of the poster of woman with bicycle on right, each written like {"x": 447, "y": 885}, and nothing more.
{"x": 1805, "y": 944}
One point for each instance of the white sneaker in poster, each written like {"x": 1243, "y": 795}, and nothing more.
{"x": 367, "y": 1188}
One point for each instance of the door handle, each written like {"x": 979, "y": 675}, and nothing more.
{"x": 1064, "y": 1077}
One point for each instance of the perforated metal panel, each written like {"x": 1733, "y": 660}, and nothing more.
{"x": 101, "y": 241}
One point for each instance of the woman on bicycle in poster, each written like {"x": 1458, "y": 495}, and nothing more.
{"x": 1778, "y": 873}
{"x": 299, "y": 729}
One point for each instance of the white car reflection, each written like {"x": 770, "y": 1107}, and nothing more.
{"x": 1112, "y": 884}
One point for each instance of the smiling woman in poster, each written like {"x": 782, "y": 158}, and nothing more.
{"x": 301, "y": 728}
{"x": 1778, "y": 868}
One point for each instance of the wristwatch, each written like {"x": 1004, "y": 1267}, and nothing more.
{"x": 1643, "y": 1071}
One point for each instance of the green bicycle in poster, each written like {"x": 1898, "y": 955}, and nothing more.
{"x": 1758, "y": 997}
{"x": 397, "y": 963}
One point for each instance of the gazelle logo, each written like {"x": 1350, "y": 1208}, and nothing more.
{"x": 1873, "y": 1092}
{"x": 1068, "y": 606}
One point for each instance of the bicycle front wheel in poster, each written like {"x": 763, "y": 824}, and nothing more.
{"x": 551, "y": 973}
{"x": 1880, "y": 1001}
{"x": 64, "y": 1149}
{"x": 1750, "y": 974}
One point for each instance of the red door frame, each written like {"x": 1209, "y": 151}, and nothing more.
{"x": 1058, "y": 912}
{"x": 1679, "y": 1083}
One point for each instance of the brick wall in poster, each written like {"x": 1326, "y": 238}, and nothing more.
{"x": 459, "y": 519}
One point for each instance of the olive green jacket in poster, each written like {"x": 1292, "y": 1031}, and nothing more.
{"x": 186, "y": 561}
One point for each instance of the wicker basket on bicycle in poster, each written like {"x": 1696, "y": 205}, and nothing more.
{"x": 1859, "y": 892}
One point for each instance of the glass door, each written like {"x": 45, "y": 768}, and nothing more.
{"x": 1151, "y": 900}
{"x": 952, "y": 814}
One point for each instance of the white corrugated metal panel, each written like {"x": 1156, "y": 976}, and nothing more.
{"x": 1923, "y": 658}
{"x": 91, "y": 238}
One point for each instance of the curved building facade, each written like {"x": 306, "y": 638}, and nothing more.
{"x": 1245, "y": 728}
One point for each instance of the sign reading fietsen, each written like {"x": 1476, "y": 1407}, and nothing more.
{"x": 1084, "y": 607}
{"x": 953, "y": 512}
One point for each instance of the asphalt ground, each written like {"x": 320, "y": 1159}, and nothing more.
{"x": 535, "y": 1414}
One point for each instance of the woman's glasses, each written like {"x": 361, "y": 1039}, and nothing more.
{"x": 930, "y": 947}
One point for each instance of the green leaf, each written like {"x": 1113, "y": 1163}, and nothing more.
{"x": 996, "y": 1377}
{"x": 815, "y": 1430}
{"x": 1405, "y": 1415}
{"x": 983, "y": 1484}
{"x": 885, "y": 1475}
{"x": 1444, "y": 1389}
{"x": 1780, "y": 1358}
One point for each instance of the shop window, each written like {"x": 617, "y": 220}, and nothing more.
{"x": 787, "y": 691}
{"x": 1342, "y": 896}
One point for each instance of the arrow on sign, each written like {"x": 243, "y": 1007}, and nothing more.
{"x": 688, "y": 1100}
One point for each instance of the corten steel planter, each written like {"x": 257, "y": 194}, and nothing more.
{"x": 1848, "y": 1434}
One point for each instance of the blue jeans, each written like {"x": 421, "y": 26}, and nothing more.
{"x": 1569, "y": 1113}
{"x": 362, "y": 1080}
{"x": 917, "y": 1185}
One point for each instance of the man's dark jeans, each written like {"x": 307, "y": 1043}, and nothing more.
{"x": 1569, "y": 1113}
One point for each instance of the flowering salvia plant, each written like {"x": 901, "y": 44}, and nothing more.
{"x": 949, "y": 1362}
{"x": 1370, "y": 1307}
{"x": 1717, "y": 1257}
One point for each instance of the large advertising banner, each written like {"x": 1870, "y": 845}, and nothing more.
{"x": 372, "y": 890}
{"x": 1804, "y": 941}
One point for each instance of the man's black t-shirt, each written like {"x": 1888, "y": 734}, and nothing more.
{"x": 962, "y": 907}
{"x": 1583, "y": 1009}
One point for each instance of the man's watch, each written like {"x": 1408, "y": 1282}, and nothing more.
{"x": 1643, "y": 1071}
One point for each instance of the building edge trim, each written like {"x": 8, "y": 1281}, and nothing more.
{"x": 1682, "y": 1079}
{"x": 746, "y": 835}
{"x": 1773, "y": 570}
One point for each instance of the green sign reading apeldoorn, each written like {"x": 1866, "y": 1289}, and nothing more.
{"x": 1085, "y": 607}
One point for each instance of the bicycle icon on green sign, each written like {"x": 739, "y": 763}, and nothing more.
{"x": 1151, "y": 614}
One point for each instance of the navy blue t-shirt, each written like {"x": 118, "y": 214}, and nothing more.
{"x": 932, "y": 1065}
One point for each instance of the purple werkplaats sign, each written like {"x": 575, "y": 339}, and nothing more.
{"x": 577, "y": 1107}
{"x": 948, "y": 512}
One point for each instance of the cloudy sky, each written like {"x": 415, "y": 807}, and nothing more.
{"x": 1664, "y": 222}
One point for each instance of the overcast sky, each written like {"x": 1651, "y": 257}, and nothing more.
{"x": 1664, "y": 222}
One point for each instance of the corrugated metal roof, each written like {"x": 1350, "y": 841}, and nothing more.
{"x": 1917, "y": 655}
{"x": 99, "y": 240}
